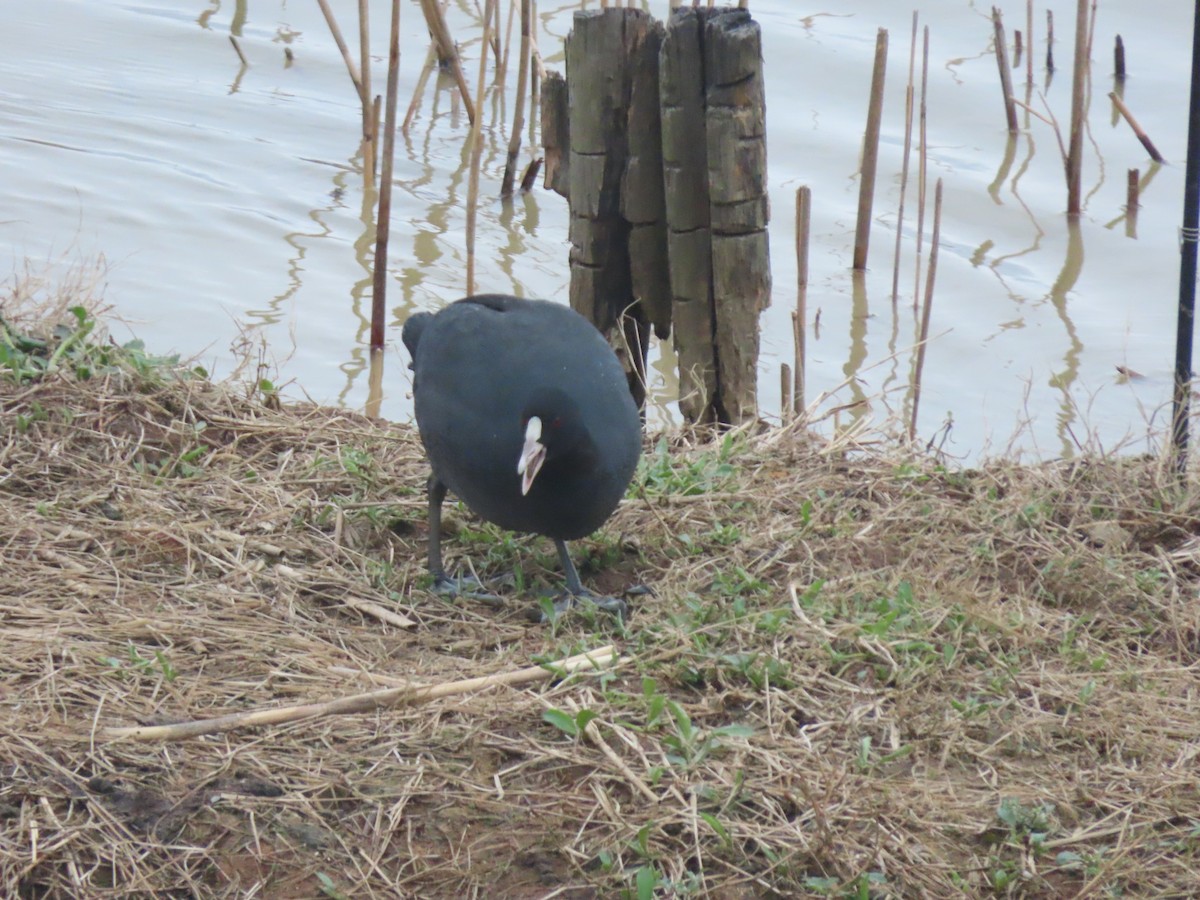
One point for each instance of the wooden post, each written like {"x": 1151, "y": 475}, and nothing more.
{"x": 556, "y": 133}
{"x": 657, "y": 140}
{"x": 737, "y": 172}
{"x": 604, "y": 52}
{"x": 643, "y": 198}
{"x": 685, "y": 167}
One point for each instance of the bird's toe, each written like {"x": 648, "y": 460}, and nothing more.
{"x": 614, "y": 606}
{"x": 467, "y": 586}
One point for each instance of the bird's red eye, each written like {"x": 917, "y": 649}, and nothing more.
{"x": 557, "y": 423}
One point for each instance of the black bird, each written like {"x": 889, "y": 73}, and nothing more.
{"x": 526, "y": 415}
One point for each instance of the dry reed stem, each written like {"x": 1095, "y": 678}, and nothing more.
{"x": 518, "y": 122}
{"x": 1006, "y": 88}
{"x": 419, "y": 89}
{"x": 1050, "y": 41}
{"x": 351, "y": 66}
{"x": 800, "y": 315}
{"x": 383, "y": 220}
{"x": 1132, "y": 188}
{"x": 907, "y": 152}
{"x": 404, "y": 695}
{"x": 476, "y": 138}
{"x": 1029, "y": 41}
{"x": 922, "y": 167}
{"x": 503, "y": 71}
{"x": 927, "y": 308}
{"x": 946, "y": 672}
{"x": 870, "y": 152}
{"x": 1078, "y": 123}
{"x": 370, "y": 131}
{"x": 448, "y": 51}
{"x": 1137, "y": 129}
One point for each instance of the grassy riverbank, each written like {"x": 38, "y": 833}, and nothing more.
{"x": 860, "y": 673}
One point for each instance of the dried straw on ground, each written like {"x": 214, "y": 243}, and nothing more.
{"x": 859, "y": 672}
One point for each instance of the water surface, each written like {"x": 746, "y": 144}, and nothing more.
{"x": 228, "y": 205}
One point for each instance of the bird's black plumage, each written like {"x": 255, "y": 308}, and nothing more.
{"x": 483, "y": 367}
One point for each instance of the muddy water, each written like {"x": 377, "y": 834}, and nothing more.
{"x": 227, "y": 203}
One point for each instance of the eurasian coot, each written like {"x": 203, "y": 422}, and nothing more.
{"x": 525, "y": 414}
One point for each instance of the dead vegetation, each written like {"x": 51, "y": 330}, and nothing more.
{"x": 860, "y": 673}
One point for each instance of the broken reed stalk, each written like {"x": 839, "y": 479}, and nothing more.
{"x": 383, "y": 220}
{"x": 477, "y": 151}
{"x": 447, "y": 52}
{"x": 1050, "y": 41}
{"x": 1137, "y": 129}
{"x": 1078, "y": 98}
{"x": 800, "y": 315}
{"x": 908, "y": 123}
{"x": 388, "y": 698}
{"x": 370, "y": 134}
{"x": 518, "y": 123}
{"x": 1018, "y": 48}
{"x": 1010, "y": 108}
{"x": 419, "y": 90}
{"x": 351, "y": 66}
{"x": 927, "y": 309}
{"x": 1119, "y": 59}
{"x": 237, "y": 48}
{"x": 1029, "y": 41}
{"x": 531, "y": 173}
{"x": 1131, "y": 190}
{"x": 870, "y": 154}
{"x": 922, "y": 164}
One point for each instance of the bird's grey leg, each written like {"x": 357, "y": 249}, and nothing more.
{"x": 437, "y": 493}
{"x": 463, "y": 586}
{"x": 576, "y": 592}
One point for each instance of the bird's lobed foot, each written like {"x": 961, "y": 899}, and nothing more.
{"x": 565, "y": 602}
{"x": 467, "y": 586}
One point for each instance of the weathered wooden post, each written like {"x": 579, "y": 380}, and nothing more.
{"x": 601, "y": 136}
{"x": 737, "y": 179}
{"x": 689, "y": 236}
{"x": 658, "y": 142}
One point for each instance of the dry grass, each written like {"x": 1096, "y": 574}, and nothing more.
{"x": 860, "y": 674}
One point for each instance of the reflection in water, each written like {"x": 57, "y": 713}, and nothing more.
{"x": 1010, "y": 153}
{"x": 375, "y": 385}
{"x": 860, "y": 313}
{"x": 1065, "y": 379}
{"x": 190, "y": 170}
{"x": 1038, "y": 232}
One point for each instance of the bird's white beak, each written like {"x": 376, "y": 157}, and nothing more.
{"x": 533, "y": 454}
